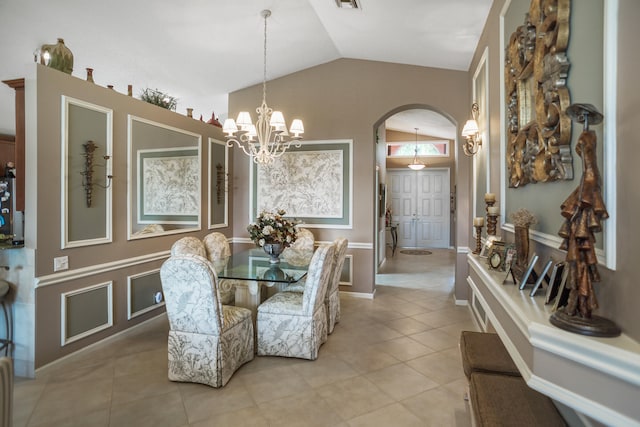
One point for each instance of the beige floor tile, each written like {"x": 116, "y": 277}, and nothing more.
{"x": 404, "y": 348}
{"x": 325, "y": 370}
{"x": 205, "y": 402}
{"x": 165, "y": 410}
{"x": 127, "y": 388}
{"x": 99, "y": 418}
{"x": 353, "y": 397}
{"x": 439, "y": 407}
{"x": 247, "y": 417}
{"x": 276, "y": 383}
{"x": 401, "y": 381}
{"x": 392, "y": 415}
{"x": 151, "y": 361}
{"x": 304, "y": 409}
{"x": 436, "y": 339}
{"x": 407, "y": 326}
{"x": 442, "y": 367}
{"x": 71, "y": 401}
{"x": 366, "y": 358}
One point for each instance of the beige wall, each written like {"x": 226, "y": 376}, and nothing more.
{"x": 348, "y": 98}
{"x": 44, "y": 197}
{"x": 618, "y": 293}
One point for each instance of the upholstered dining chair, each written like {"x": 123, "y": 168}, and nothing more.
{"x": 217, "y": 249}
{"x": 188, "y": 246}
{"x": 208, "y": 341}
{"x": 332, "y": 299}
{"x": 6, "y": 391}
{"x": 302, "y": 249}
{"x": 294, "y": 324}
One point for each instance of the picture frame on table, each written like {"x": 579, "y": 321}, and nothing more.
{"x": 543, "y": 276}
{"x": 529, "y": 272}
{"x": 488, "y": 244}
{"x": 554, "y": 282}
{"x": 496, "y": 256}
{"x": 509, "y": 254}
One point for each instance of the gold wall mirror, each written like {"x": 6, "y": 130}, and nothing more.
{"x": 536, "y": 71}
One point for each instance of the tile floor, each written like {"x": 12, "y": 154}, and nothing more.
{"x": 391, "y": 361}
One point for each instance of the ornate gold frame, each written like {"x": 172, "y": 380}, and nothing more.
{"x": 536, "y": 70}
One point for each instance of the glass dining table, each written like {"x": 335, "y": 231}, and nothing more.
{"x": 255, "y": 278}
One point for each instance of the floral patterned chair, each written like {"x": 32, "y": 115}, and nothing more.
{"x": 218, "y": 251}
{"x": 208, "y": 341}
{"x": 301, "y": 250}
{"x": 293, "y": 324}
{"x": 332, "y": 300}
{"x": 188, "y": 246}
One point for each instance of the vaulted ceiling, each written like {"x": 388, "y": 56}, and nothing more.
{"x": 199, "y": 51}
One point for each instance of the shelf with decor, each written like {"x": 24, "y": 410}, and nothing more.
{"x": 597, "y": 377}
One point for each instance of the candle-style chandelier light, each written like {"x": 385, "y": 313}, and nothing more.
{"x": 270, "y": 129}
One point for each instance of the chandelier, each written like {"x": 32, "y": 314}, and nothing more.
{"x": 270, "y": 129}
{"x": 416, "y": 164}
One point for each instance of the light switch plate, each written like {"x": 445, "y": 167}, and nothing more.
{"x": 61, "y": 263}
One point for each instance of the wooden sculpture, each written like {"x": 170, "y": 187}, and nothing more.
{"x": 584, "y": 210}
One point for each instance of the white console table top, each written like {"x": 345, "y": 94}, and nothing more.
{"x": 599, "y": 377}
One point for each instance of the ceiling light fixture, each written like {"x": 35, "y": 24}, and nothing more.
{"x": 472, "y": 133}
{"x": 416, "y": 164}
{"x": 270, "y": 129}
{"x": 348, "y": 4}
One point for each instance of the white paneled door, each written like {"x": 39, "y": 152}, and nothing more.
{"x": 420, "y": 204}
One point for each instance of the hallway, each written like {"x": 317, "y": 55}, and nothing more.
{"x": 393, "y": 360}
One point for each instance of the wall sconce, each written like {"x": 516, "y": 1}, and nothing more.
{"x": 471, "y": 132}
{"x": 87, "y": 174}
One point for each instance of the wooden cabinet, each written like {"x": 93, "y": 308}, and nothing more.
{"x": 19, "y": 142}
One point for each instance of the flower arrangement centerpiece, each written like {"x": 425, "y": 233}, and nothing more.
{"x": 273, "y": 233}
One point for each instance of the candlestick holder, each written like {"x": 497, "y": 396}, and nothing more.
{"x": 492, "y": 222}
{"x": 490, "y": 198}
{"x": 478, "y": 239}
{"x": 489, "y": 204}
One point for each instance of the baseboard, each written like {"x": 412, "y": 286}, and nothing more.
{"x": 359, "y": 294}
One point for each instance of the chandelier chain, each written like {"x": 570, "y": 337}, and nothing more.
{"x": 264, "y": 58}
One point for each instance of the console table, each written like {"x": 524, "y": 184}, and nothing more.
{"x": 597, "y": 377}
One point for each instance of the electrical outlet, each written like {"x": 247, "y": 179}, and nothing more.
{"x": 61, "y": 263}
{"x": 157, "y": 297}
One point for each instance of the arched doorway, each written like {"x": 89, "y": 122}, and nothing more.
{"x": 434, "y": 140}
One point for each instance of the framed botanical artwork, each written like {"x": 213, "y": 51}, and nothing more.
{"x": 312, "y": 183}
{"x": 168, "y": 186}
{"x": 164, "y": 179}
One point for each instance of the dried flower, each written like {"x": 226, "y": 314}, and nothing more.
{"x": 273, "y": 228}
{"x": 156, "y": 97}
{"x": 523, "y": 218}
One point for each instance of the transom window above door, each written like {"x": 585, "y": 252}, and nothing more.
{"x": 434, "y": 148}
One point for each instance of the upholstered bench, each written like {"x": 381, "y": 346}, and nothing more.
{"x": 505, "y": 400}
{"x": 484, "y": 352}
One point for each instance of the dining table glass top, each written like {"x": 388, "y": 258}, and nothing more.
{"x": 253, "y": 264}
